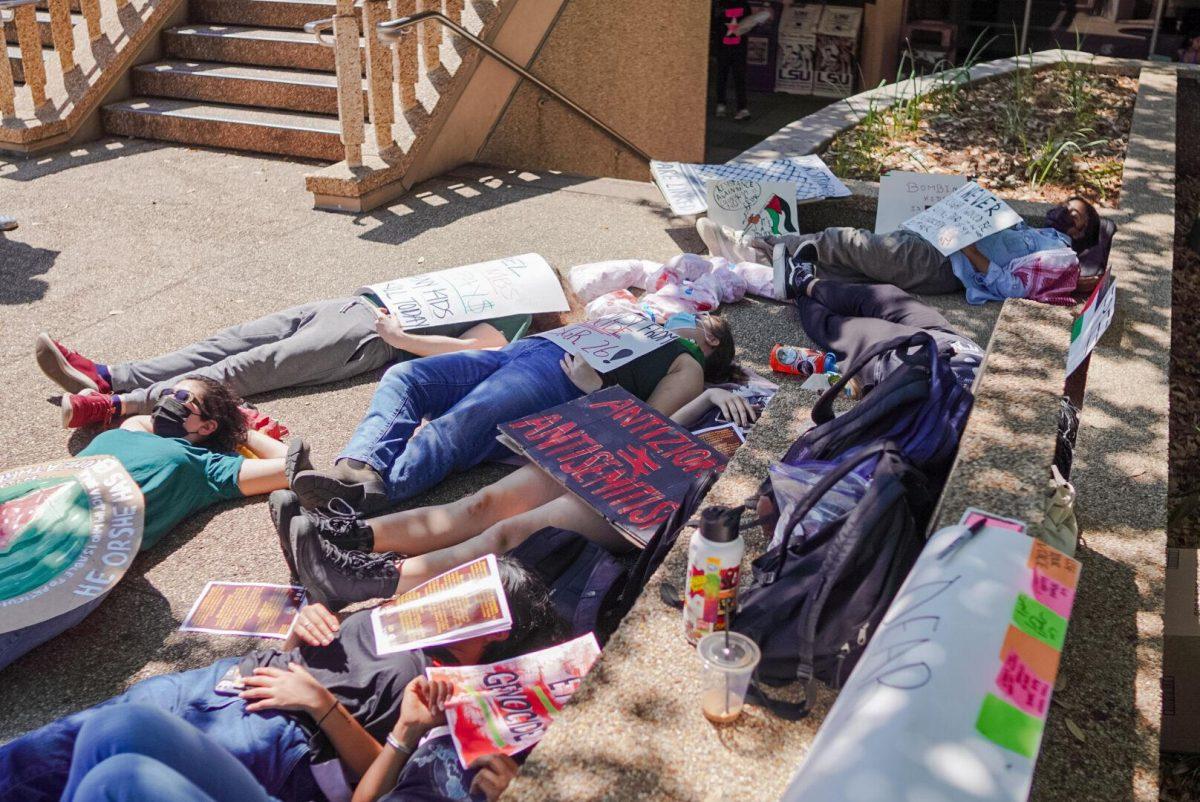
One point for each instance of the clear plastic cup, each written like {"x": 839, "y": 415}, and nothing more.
{"x": 727, "y": 660}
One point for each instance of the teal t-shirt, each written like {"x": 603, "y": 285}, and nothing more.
{"x": 176, "y": 477}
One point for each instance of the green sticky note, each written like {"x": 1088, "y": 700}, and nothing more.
{"x": 1036, "y": 619}
{"x": 1006, "y": 726}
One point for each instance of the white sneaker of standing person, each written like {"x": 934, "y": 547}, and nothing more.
{"x": 743, "y": 114}
{"x": 730, "y": 245}
{"x": 720, "y": 109}
{"x": 7, "y": 223}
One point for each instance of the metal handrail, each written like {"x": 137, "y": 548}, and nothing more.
{"x": 393, "y": 30}
{"x": 317, "y": 28}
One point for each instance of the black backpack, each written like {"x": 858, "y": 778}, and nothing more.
{"x": 592, "y": 589}
{"x": 813, "y": 604}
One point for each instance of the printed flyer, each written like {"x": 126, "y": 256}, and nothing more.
{"x": 506, "y": 707}
{"x": 465, "y": 602}
{"x": 245, "y": 608}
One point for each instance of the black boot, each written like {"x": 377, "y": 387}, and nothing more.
{"x": 284, "y": 505}
{"x": 338, "y": 577}
{"x": 316, "y": 489}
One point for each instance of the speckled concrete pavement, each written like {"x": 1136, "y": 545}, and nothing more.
{"x": 127, "y": 248}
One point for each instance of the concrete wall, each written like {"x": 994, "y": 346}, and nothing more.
{"x": 640, "y": 68}
{"x": 879, "y": 49}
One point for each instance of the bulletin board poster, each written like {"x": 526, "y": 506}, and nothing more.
{"x": 796, "y": 49}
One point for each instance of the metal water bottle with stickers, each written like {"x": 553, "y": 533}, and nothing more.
{"x": 714, "y": 565}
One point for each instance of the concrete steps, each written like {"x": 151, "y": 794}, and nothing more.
{"x": 312, "y": 136}
{"x": 265, "y": 13}
{"x": 241, "y": 85}
{"x": 261, "y": 47}
{"x": 43, "y": 21}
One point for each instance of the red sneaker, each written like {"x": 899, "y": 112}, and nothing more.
{"x": 69, "y": 369}
{"x": 86, "y": 409}
{"x": 265, "y": 424}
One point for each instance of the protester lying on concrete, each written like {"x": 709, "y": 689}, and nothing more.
{"x": 181, "y": 457}
{"x": 341, "y": 557}
{"x": 465, "y": 396}
{"x": 259, "y": 726}
{"x": 848, "y": 319}
{"x": 316, "y": 343}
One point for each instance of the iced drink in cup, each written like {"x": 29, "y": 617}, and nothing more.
{"x": 727, "y": 659}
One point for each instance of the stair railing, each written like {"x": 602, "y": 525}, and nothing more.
{"x": 22, "y": 15}
{"x": 396, "y": 74}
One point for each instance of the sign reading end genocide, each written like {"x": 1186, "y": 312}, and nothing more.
{"x": 962, "y": 219}
{"x": 68, "y": 532}
{"x": 627, "y": 461}
{"x": 518, "y": 285}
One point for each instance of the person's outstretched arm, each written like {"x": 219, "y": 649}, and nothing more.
{"x": 265, "y": 447}
{"x": 479, "y": 337}
{"x": 258, "y": 476}
{"x": 732, "y": 406}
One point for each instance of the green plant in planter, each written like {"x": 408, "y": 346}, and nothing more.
{"x": 1055, "y": 159}
{"x": 1079, "y": 90}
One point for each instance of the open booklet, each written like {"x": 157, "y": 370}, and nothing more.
{"x": 465, "y": 602}
{"x": 518, "y": 285}
{"x": 627, "y": 461}
{"x": 506, "y": 707}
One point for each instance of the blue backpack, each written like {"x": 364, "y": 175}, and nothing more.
{"x": 920, "y": 407}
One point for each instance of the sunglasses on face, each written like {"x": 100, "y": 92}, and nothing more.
{"x": 187, "y": 398}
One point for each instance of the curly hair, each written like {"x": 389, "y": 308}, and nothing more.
{"x": 219, "y": 404}
{"x": 1091, "y": 229}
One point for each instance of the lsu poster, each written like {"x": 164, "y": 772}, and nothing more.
{"x": 68, "y": 532}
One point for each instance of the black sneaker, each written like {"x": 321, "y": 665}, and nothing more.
{"x": 317, "y": 489}
{"x": 800, "y": 274}
{"x": 284, "y": 505}
{"x": 339, "y": 577}
{"x": 298, "y": 458}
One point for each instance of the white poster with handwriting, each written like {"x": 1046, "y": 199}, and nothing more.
{"x": 762, "y": 208}
{"x": 963, "y": 218}
{"x": 518, "y": 285}
{"x": 612, "y": 341}
{"x": 950, "y": 698}
{"x": 903, "y": 194}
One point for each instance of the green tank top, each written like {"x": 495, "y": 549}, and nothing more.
{"x": 643, "y": 374}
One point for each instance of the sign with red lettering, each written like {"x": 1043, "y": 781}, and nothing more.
{"x": 630, "y": 463}
{"x": 506, "y": 707}
{"x": 68, "y": 532}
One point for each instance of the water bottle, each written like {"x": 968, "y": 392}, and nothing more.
{"x": 714, "y": 565}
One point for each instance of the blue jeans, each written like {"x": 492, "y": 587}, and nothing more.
{"x": 466, "y": 395}
{"x": 19, "y": 641}
{"x": 136, "y": 752}
{"x": 272, "y": 745}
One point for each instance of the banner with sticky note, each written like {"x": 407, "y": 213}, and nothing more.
{"x": 962, "y": 667}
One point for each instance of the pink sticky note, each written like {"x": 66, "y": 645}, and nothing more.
{"x": 1052, "y": 593}
{"x": 1018, "y": 684}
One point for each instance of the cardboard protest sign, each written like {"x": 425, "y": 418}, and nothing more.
{"x": 682, "y": 184}
{"x": 628, "y": 462}
{"x": 764, "y": 208}
{"x": 506, "y": 707}
{"x": 517, "y": 285}
{"x": 903, "y": 195}
{"x": 962, "y": 666}
{"x": 465, "y": 602}
{"x": 245, "y": 608}
{"x": 611, "y": 341}
{"x": 1092, "y": 322}
{"x": 68, "y": 531}
{"x": 963, "y": 218}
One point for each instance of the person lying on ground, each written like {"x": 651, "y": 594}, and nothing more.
{"x": 848, "y": 319}
{"x": 181, "y": 457}
{"x": 342, "y": 558}
{"x": 316, "y": 343}
{"x": 324, "y": 694}
{"x": 910, "y": 262}
{"x": 393, "y": 456}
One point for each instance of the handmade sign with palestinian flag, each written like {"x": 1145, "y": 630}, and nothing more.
{"x": 68, "y": 531}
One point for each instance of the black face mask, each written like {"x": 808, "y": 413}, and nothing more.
{"x": 1059, "y": 218}
{"x": 169, "y": 416}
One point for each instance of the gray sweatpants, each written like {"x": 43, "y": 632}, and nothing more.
{"x": 324, "y": 341}
{"x": 901, "y": 258}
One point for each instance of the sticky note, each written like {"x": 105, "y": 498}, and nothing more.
{"x": 1052, "y": 593}
{"x": 1036, "y": 619}
{"x": 1054, "y": 564}
{"x": 1006, "y": 726}
{"x": 1037, "y": 656}
{"x": 1018, "y": 684}
{"x": 971, "y": 518}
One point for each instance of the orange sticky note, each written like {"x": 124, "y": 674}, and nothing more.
{"x": 1054, "y": 564}
{"x": 1040, "y": 658}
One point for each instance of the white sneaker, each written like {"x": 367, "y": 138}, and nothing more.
{"x": 743, "y": 114}
{"x": 720, "y": 109}
{"x": 726, "y": 243}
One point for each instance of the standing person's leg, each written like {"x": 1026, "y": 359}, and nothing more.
{"x": 738, "y": 68}
{"x": 900, "y": 258}
{"x": 724, "y": 67}
{"x": 329, "y": 341}
{"x": 150, "y": 732}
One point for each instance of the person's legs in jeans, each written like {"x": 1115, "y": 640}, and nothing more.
{"x": 135, "y": 778}
{"x": 150, "y": 732}
{"x": 18, "y": 642}
{"x": 901, "y": 258}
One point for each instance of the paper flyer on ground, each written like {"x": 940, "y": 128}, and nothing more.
{"x": 726, "y": 438}
{"x": 465, "y": 602}
{"x": 69, "y": 530}
{"x": 518, "y": 285}
{"x": 611, "y": 341}
{"x": 962, "y": 218}
{"x": 682, "y": 184}
{"x": 963, "y": 664}
{"x": 628, "y": 462}
{"x": 256, "y": 609}
{"x": 905, "y": 194}
{"x": 506, "y": 707}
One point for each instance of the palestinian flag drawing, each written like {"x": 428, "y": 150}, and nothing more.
{"x": 68, "y": 531}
